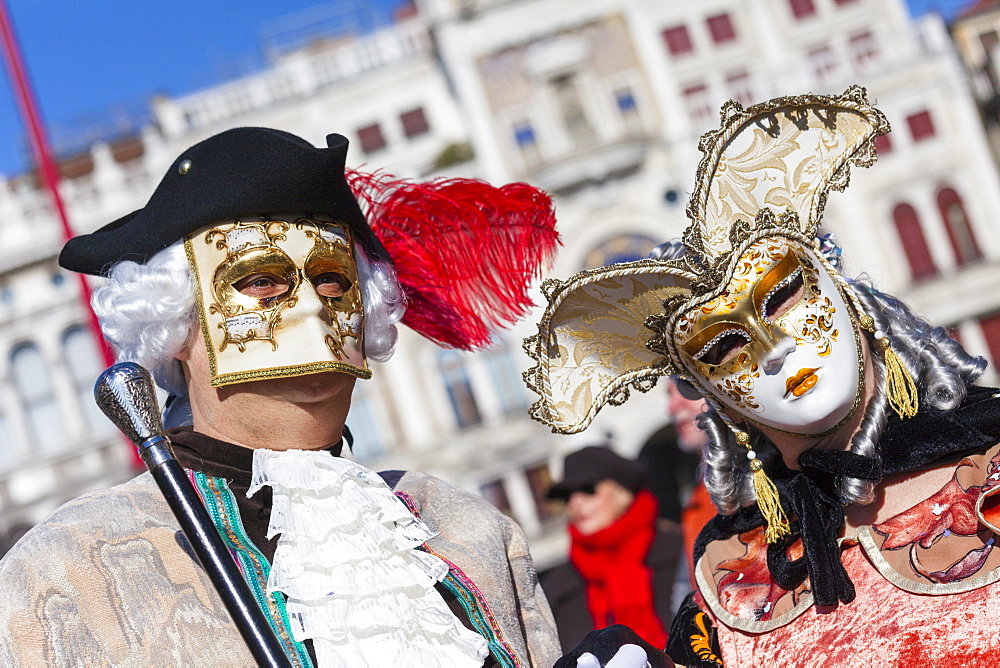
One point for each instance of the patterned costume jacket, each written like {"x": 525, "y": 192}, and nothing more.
{"x": 108, "y": 580}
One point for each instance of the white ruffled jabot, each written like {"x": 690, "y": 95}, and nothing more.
{"x": 348, "y": 564}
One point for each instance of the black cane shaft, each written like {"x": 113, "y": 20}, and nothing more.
{"x": 218, "y": 563}
{"x": 125, "y": 393}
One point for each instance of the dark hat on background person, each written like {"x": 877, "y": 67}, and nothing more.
{"x": 583, "y": 469}
{"x": 237, "y": 173}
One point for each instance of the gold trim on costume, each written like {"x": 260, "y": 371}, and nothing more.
{"x": 290, "y": 372}
{"x": 871, "y": 548}
{"x": 707, "y": 590}
{"x": 199, "y": 301}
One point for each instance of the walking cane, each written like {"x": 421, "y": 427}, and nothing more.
{"x": 125, "y": 393}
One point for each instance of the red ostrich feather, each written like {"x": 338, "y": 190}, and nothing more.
{"x": 466, "y": 252}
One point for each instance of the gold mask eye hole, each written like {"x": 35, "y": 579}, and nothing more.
{"x": 723, "y": 347}
{"x": 331, "y": 271}
{"x": 259, "y": 279}
{"x": 263, "y": 286}
{"x": 783, "y": 297}
{"x": 332, "y": 285}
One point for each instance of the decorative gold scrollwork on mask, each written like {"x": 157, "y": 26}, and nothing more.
{"x": 251, "y": 249}
{"x": 330, "y": 259}
{"x": 814, "y": 324}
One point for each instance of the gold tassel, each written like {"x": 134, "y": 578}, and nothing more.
{"x": 900, "y": 389}
{"x": 770, "y": 506}
{"x": 899, "y": 383}
{"x": 767, "y": 495}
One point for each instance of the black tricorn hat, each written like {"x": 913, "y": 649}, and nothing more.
{"x": 237, "y": 173}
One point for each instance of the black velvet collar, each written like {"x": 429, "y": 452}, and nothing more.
{"x": 936, "y": 437}
{"x": 931, "y": 438}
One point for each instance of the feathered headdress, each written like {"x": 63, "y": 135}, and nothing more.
{"x": 465, "y": 252}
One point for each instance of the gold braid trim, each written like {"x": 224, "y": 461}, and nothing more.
{"x": 899, "y": 385}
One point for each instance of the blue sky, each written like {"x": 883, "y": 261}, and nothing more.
{"x": 947, "y": 8}
{"x": 92, "y": 61}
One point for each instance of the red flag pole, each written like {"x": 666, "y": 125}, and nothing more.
{"x": 46, "y": 168}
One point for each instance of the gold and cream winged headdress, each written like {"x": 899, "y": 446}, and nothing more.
{"x": 766, "y": 172}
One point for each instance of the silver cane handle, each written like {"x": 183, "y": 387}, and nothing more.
{"x": 125, "y": 393}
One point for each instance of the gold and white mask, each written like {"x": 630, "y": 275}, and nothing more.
{"x": 779, "y": 345}
{"x": 278, "y": 298}
{"x": 751, "y": 311}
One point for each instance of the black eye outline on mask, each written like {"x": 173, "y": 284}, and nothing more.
{"x": 723, "y": 346}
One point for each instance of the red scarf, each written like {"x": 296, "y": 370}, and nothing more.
{"x": 612, "y": 562}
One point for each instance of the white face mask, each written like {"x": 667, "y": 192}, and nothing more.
{"x": 278, "y": 298}
{"x": 779, "y": 346}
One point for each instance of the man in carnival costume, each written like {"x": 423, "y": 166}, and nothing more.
{"x": 853, "y": 463}
{"x": 254, "y": 288}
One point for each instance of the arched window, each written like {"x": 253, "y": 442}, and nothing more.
{"x": 456, "y": 381}
{"x": 8, "y": 453}
{"x": 34, "y": 386}
{"x": 494, "y": 492}
{"x": 540, "y": 480}
{"x": 8, "y": 538}
{"x": 84, "y": 365}
{"x": 369, "y": 441}
{"x": 619, "y": 248}
{"x": 956, "y": 222}
{"x": 506, "y": 379}
{"x": 990, "y": 326}
{"x": 911, "y": 236}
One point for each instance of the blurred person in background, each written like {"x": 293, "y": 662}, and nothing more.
{"x": 622, "y": 565}
{"x": 672, "y": 456}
